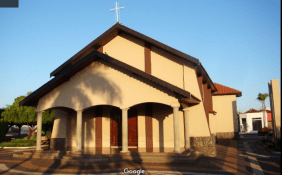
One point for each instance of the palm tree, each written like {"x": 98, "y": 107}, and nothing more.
{"x": 261, "y": 97}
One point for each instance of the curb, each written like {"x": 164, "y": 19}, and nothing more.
{"x": 269, "y": 149}
{"x": 16, "y": 147}
{"x": 42, "y": 146}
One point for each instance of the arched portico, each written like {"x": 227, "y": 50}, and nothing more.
{"x": 92, "y": 128}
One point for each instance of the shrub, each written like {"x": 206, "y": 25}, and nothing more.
{"x": 265, "y": 129}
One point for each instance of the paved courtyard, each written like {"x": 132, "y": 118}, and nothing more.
{"x": 243, "y": 156}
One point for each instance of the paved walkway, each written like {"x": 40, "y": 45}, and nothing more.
{"x": 243, "y": 156}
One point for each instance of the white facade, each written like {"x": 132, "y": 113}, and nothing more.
{"x": 250, "y": 117}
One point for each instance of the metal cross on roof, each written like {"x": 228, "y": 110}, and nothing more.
{"x": 116, "y": 9}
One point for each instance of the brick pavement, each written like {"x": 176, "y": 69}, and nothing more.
{"x": 232, "y": 158}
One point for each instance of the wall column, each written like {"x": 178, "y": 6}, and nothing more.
{"x": 186, "y": 126}
{"x": 78, "y": 130}
{"x": 175, "y": 107}
{"x": 39, "y": 126}
{"x": 124, "y": 130}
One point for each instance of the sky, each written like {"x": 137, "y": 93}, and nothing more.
{"x": 237, "y": 42}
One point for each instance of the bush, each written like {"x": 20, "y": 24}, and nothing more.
{"x": 3, "y": 131}
{"x": 265, "y": 129}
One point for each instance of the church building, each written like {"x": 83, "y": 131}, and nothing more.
{"x": 126, "y": 92}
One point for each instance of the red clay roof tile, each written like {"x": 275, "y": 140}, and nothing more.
{"x": 224, "y": 90}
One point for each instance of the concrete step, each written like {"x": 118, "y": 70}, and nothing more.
{"x": 83, "y": 161}
{"x": 87, "y": 159}
{"x": 36, "y": 156}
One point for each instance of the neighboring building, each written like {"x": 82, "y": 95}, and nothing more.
{"x": 275, "y": 105}
{"x": 225, "y": 106}
{"x": 252, "y": 120}
{"x": 269, "y": 119}
{"x": 127, "y": 92}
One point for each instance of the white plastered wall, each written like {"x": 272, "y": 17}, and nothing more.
{"x": 198, "y": 126}
{"x": 167, "y": 67}
{"x": 163, "y": 131}
{"x": 127, "y": 49}
{"x": 100, "y": 84}
{"x": 226, "y": 113}
{"x": 60, "y": 124}
{"x": 141, "y": 128}
{"x": 212, "y": 123}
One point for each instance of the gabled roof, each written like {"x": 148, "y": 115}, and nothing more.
{"x": 116, "y": 30}
{"x": 224, "y": 90}
{"x": 255, "y": 111}
{"x": 95, "y": 55}
{"x": 252, "y": 111}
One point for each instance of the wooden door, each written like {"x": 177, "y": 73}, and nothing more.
{"x": 116, "y": 127}
{"x": 132, "y": 127}
{"x": 257, "y": 125}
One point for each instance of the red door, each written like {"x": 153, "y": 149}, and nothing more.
{"x": 116, "y": 127}
{"x": 132, "y": 127}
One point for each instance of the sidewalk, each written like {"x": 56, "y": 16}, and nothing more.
{"x": 242, "y": 156}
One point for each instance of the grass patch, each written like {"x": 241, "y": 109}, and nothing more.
{"x": 19, "y": 143}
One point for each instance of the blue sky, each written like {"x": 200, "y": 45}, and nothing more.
{"x": 238, "y": 42}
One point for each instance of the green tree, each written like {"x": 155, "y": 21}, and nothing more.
{"x": 261, "y": 97}
{"x": 26, "y": 115}
{"x": 19, "y": 116}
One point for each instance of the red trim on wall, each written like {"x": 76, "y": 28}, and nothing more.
{"x": 206, "y": 100}
{"x": 210, "y": 99}
{"x": 200, "y": 83}
{"x": 148, "y": 58}
{"x": 98, "y": 128}
{"x": 149, "y": 127}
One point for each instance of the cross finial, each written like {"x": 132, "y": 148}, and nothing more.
{"x": 116, "y": 9}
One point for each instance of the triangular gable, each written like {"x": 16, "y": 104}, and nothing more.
{"x": 33, "y": 98}
{"x": 116, "y": 30}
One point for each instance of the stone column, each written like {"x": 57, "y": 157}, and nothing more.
{"x": 124, "y": 130}
{"x": 186, "y": 126}
{"x": 39, "y": 126}
{"x": 79, "y": 130}
{"x": 175, "y": 107}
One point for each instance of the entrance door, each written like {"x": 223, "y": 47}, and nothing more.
{"x": 132, "y": 129}
{"x": 256, "y": 125}
{"x": 244, "y": 129}
{"x": 116, "y": 129}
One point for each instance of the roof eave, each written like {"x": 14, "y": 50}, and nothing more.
{"x": 237, "y": 94}
{"x": 121, "y": 28}
{"x": 33, "y": 98}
